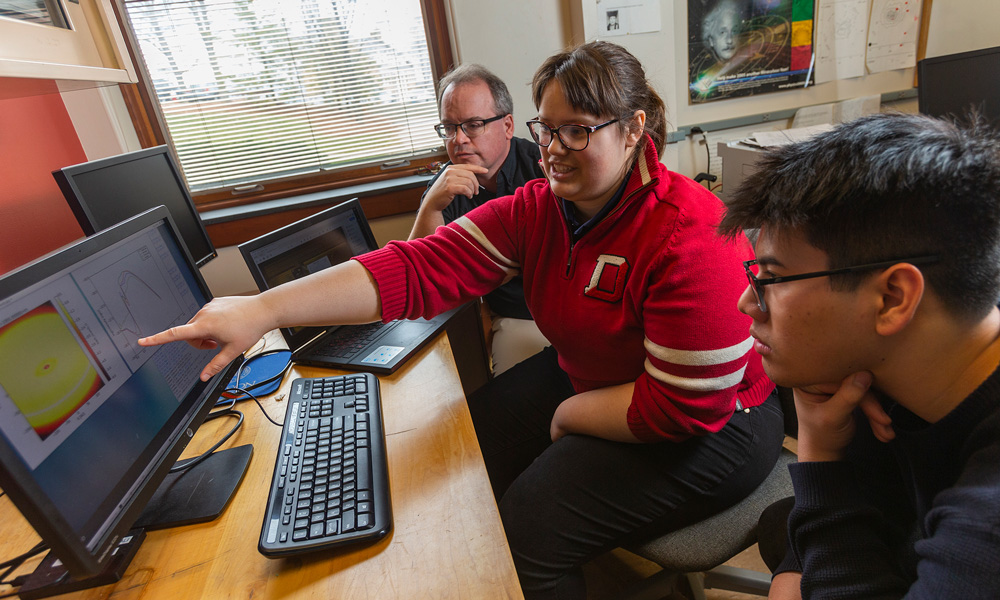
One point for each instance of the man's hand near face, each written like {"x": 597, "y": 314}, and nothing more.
{"x": 455, "y": 180}
{"x": 826, "y": 417}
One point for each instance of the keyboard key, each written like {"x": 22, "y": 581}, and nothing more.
{"x": 364, "y": 471}
{"x": 333, "y": 527}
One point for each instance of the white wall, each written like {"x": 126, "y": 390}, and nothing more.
{"x": 101, "y": 121}
{"x": 963, "y": 25}
{"x": 510, "y": 38}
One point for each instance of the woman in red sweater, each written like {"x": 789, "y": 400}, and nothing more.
{"x": 650, "y": 410}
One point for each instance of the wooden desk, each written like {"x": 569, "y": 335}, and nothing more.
{"x": 447, "y": 539}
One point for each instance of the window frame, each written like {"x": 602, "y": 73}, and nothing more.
{"x": 142, "y": 107}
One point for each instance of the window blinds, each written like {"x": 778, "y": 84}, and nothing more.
{"x": 260, "y": 89}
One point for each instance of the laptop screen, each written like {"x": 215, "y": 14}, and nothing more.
{"x": 323, "y": 240}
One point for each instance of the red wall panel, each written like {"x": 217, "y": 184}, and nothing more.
{"x": 36, "y": 137}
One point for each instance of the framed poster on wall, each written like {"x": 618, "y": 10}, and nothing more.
{"x": 747, "y": 47}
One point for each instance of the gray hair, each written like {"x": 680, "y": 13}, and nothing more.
{"x": 473, "y": 73}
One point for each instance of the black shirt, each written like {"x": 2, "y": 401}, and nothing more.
{"x": 578, "y": 229}
{"x": 520, "y": 166}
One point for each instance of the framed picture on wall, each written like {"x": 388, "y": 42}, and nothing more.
{"x": 746, "y": 47}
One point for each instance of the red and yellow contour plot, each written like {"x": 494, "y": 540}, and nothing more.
{"x": 44, "y": 369}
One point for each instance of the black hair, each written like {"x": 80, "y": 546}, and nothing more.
{"x": 886, "y": 187}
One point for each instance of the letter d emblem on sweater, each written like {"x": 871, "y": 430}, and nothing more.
{"x": 608, "y": 280}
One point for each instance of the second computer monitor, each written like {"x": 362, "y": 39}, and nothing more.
{"x": 952, "y": 85}
{"x": 107, "y": 191}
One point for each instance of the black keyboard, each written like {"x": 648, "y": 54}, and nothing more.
{"x": 330, "y": 485}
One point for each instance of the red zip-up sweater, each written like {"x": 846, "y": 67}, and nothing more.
{"x": 648, "y": 295}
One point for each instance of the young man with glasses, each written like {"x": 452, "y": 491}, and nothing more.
{"x": 874, "y": 297}
{"x": 486, "y": 162}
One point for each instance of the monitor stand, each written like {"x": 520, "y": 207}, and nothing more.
{"x": 196, "y": 495}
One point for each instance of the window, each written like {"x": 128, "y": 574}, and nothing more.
{"x": 253, "y": 91}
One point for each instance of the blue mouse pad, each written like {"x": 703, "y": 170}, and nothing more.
{"x": 257, "y": 370}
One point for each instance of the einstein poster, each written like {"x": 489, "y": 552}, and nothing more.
{"x": 747, "y": 47}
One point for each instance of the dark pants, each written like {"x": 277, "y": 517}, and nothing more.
{"x": 565, "y": 503}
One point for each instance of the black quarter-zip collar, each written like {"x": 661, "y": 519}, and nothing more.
{"x": 577, "y": 229}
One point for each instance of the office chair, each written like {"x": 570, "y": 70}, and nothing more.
{"x": 697, "y": 552}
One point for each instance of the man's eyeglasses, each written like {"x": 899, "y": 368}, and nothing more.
{"x": 573, "y": 137}
{"x": 757, "y": 285}
{"x": 472, "y": 128}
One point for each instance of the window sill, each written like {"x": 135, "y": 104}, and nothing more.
{"x": 234, "y": 225}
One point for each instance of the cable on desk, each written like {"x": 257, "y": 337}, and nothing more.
{"x": 252, "y": 397}
{"x": 229, "y": 412}
{"x": 263, "y": 346}
{"x": 9, "y": 566}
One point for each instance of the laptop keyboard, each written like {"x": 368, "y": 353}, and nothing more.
{"x": 348, "y": 340}
{"x": 330, "y": 485}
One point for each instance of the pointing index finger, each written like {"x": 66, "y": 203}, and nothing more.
{"x": 174, "y": 334}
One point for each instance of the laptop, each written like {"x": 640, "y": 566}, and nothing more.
{"x": 323, "y": 240}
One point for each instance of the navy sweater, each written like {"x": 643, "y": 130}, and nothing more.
{"x": 918, "y": 517}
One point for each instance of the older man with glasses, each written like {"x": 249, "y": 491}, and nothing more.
{"x": 486, "y": 162}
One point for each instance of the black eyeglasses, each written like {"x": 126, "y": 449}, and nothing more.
{"x": 472, "y": 128}
{"x": 573, "y": 137}
{"x": 757, "y": 285}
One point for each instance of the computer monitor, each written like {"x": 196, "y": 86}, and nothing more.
{"x": 106, "y": 191}
{"x": 951, "y": 85}
{"x": 90, "y": 422}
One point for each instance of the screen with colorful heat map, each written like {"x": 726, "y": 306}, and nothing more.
{"x": 81, "y": 403}
{"x": 47, "y": 370}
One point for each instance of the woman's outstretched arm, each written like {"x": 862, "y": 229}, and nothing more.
{"x": 344, "y": 294}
